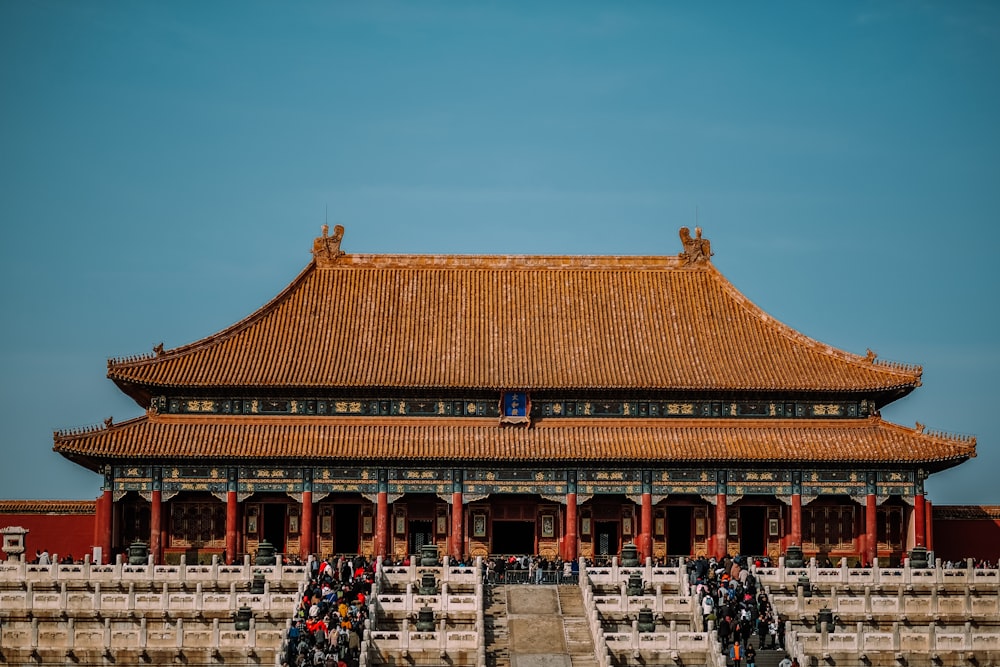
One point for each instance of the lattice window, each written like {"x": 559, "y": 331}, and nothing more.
{"x": 200, "y": 524}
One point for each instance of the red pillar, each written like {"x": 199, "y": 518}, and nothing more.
{"x": 456, "y": 541}
{"x": 569, "y": 535}
{"x": 929, "y": 525}
{"x": 721, "y": 547}
{"x": 796, "y": 527}
{"x": 646, "y": 523}
{"x": 306, "y": 537}
{"x": 919, "y": 521}
{"x": 98, "y": 520}
{"x": 232, "y": 517}
{"x": 871, "y": 529}
{"x": 155, "y": 531}
{"x": 106, "y": 521}
{"x": 382, "y": 524}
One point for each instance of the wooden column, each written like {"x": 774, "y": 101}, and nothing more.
{"x": 155, "y": 523}
{"x": 570, "y": 539}
{"x": 232, "y": 517}
{"x": 105, "y": 518}
{"x": 929, "y": 526}
{"x": 646, "y": 526}
{"x": 721, "y": 546}
{"x": 796, "y": 519}
{"x": 919, "y": 521}
{"x": 382, "y": 515}
{"x": 457, "y": 538}
{"x": 306, "y": 536}
{"x": 871, "y": 529}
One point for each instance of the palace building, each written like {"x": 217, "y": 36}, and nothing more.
{"x": 559, "y": 405}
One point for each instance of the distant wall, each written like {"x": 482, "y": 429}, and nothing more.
{"x": 967, "y": 531}
{"x": 61, "y": 527}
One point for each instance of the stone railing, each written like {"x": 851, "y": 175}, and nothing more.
{"x": 74, "y": 638}
{"x": 455, "y": 575}
{"x": 900, "y": 641}
{"x": 108, "y": 600}
{"x": 789, "y": 576}
{"x": 285, "y": 576}
{"x": 614, "y": 575}
{"x": 408, "y": 643}
{"x": 445, "y": 602}
{"x": 870, "y": 603}
{"x": 682, "y": 647}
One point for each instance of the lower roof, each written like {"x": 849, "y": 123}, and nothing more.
{"x": 477, "y": 441}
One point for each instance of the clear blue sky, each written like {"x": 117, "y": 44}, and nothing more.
{"x": 164, "y": 167}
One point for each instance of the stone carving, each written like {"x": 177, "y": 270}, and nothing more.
{"x": 696, "y": 250}
{"x": 326, "y": 249}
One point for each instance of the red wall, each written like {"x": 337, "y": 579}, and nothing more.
{"x": 61, "y": 534}
{"x": 958, "y": 539}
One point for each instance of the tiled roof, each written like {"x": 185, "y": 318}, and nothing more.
{"x": 483, "y": 440}
{"x": 47, "y": 507}
{"x": 966, "y": 512}
{"x": 512, "y": 322}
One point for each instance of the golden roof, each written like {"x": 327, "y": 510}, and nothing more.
{"x": 642, "y": 323}
{"x": 478, "y": 440}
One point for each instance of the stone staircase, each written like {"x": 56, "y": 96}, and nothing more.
{"x": 579, "y": 640}
{"x": 495, "y": 627}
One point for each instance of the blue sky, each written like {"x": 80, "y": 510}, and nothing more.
{"x": 164, "y": 168}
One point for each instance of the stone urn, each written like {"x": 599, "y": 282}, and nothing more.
{"x": 825, "y": 616}
{"x": 257, "y": 585}
{"x": 425, "y": 620}
{"x": 138, "y": 553}
{"x": 630, "y": 556}
{"x": 242, "y": 620}
{"x": 634, "y": 584}
{"x": 428, "y": 584}
{"x": 646, "y": 623}
{"x": 794, "y": 557}
{"x": 265, "y": 554}
{"x": 918, "y": 557}
{"x": 428, "y": 555}
{"x": 806, "y": 586}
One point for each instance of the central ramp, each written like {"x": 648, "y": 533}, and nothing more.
{"x": 535, "y": 626}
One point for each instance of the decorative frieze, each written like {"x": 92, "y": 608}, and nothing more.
{"x": 539, "y": 408}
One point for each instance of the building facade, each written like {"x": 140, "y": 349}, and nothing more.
{"x": 559, "y": 405}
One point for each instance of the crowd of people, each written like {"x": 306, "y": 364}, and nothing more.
{"x": 730, "y": 601}
{"x": 330, "y": 618}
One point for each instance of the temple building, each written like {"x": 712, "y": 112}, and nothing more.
{"x": 558, "y": 405}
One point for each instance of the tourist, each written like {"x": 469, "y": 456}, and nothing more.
{"x": 750, "y": 655}
{"x": 785, "y": 662}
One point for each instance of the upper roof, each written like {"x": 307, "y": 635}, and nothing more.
{"x": 481, "y": 440}
{"x": 511, "y": 322}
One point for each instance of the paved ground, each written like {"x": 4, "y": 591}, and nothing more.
{"x": 537, "y": 637}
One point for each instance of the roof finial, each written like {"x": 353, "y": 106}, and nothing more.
{"x": 696, "y": 250}
{"x": 326, "y": 249}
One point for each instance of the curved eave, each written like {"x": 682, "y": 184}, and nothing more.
{"x": 473, "y": 440}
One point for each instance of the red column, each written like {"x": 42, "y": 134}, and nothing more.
{"x": 646, "y": 523}
{"x": 382, "y": 524}
{"x": 457, "y": 539}
{"x": 155, "y": 508}
{"x": 232, "y": 517}
{"x": 796, "y": 527}
{"x": 871, "y": 529}
{"x": 107, "y": 522}
{"x": 98, "y": 521}
{"x": 919, "y": 521}
{"x": 929, "y": 526}
{"x": 721, "y": 547}
{"x": 569, "y": 534}
{"x": 306, "y": 536}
